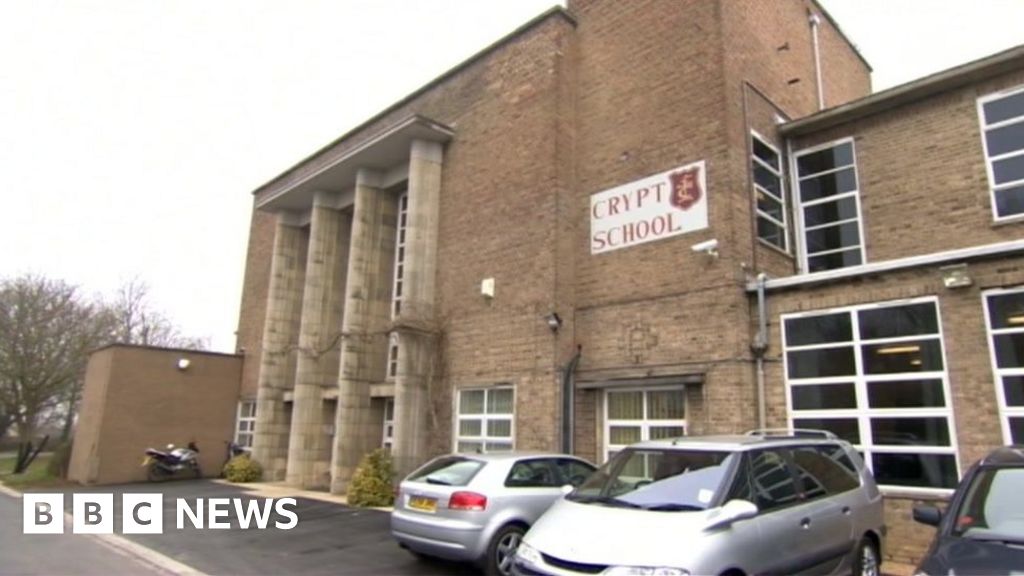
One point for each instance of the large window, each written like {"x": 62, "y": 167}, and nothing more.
{"x": 637, "y": 415}
{"x": 829, "y": 207}
{"x": 1002, "y": 127}
{"x": 388, "y": 436}
{"x": 485, "y": 420}
{"x": 766, "y": 167}
{"x": 246, "y": 426}
{"x": 398, "y": 281}
{"x": 1004, "y": 310}
{"x": 876, "y": 376}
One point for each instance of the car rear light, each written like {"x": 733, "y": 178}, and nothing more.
{"x": 467, "y": 501}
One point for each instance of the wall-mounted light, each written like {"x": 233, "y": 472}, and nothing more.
{"x": 184, "y": 363}
{"x": 955, "y": 276}
{"x": 554, "y": 321}
{"x": 487, "y": 288}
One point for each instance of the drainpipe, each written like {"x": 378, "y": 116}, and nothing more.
{"x": 568, "y": 400}
{"x": 815, "y": 21}
{"x": 759, "y": 347}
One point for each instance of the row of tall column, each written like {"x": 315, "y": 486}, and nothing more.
{"x": 328, "y": 326}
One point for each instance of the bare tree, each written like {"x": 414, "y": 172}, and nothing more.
{"x": 46, "y": 334}
{"x": 137, "y": 322}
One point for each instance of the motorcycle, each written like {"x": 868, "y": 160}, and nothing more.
{"x": 163, "y": 465}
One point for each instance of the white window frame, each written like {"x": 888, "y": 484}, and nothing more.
{"x": 758, "y": 214}
{"x": 863, "y": 412}
{"x": 1005, "y": 412}
{"x": 485, "y": 418}
{"x": 393, "y": 352}
{"x": 248, "y": 422}
{"x": 388, "y": 432}
{"x": 993, "y": 188}
{"x": 401, "y": 244}
{"x": 645, "y": 424}
{"x": 799, "y": 204}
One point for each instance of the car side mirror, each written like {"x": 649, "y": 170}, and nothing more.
{"x": 732, "y": 511}
{"x": 929, "y": 515}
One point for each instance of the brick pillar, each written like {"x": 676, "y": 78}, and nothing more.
{"x": 417, "y": 359}
{"x": 367, "y": 316}
{"x": 280, "y": 337}
{"x": 309, "y": 448}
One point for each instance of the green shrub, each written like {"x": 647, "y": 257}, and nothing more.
{"x": 242, "y": 468}
{"x": 371, "y": 483}
{"x": 57, "y": 467}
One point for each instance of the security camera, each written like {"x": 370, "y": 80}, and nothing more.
{"x": 709, "y": 247}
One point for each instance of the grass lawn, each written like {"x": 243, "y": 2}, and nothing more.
{"x": 36, "y": 475}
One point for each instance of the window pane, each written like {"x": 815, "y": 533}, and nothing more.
{"x": 771, "y": 232}
{"x": 846, "y": 428}
{"x": 659, "y": 432}
{"x": 1006, "y": 310}
{"x": 1010, "y": 201}
{"x": 773, "y": 485}
{"x": 898, "y": 321}
{"x": 821, "y": 363}
{"x": 469, "y": 447}
{"x": 768, "y": 180}
{"x": 841, "y": 209}
{"x": 820, "y": 475}
{"x": 906, "y": 394}
{"x": 824, "y": 397}
{"x": 470, "y": 428}
{"x": 1013, "y": 386}
{"x": 828, "y": 185}
{"x": 498, "y": 446}
{"x": 769, "y": 205}
{"x": 1005, "y": 139}
{"x": 1004, "y": 108}
{"x": 471, "y": 402}
{"x": 898, "y": 357}
{"x": 1017, "y": 430}
{"x": 1009, "y": 350}
{"x": 499, "y": 428}
{"x": 841, "y": 155}
{"x": 906, "y": 431}
{"x": 625, "y": 405}
{"x": 1009, "y": 169}
{"x": 763, "y": 152}
{"x": 665, "y": 405}
{"x": 500, "y": 401}
{"x": 623, "y": 434}
{"x": 919, "y": 470}
{"x": 834, "y": 260}
{"x": 819, "y": 329}
{"x": 833, "y": 237}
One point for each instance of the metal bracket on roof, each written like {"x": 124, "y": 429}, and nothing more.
{"x": 794, "y": 432}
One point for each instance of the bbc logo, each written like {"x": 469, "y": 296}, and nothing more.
{"x": 93, "y": 513}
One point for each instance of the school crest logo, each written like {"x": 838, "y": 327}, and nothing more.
{"x": 686, "y": 189}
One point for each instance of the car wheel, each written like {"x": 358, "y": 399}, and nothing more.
{"x": 502, "y": 550}
{"x": 865, "y": 560}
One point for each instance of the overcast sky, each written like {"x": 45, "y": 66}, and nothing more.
{"x": 132, "y": 132}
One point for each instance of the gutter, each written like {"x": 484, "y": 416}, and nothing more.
{"x": 816, "y": 278}
{"x": 569, "y": 400}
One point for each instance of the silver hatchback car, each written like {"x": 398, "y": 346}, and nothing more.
{"x": 476, "y": 507}
{"x": 722, "y": 505}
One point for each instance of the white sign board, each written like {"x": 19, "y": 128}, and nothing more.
{"x": 656, "y": 207}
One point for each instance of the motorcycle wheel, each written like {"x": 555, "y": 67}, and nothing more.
{"x": 156, "y": 473}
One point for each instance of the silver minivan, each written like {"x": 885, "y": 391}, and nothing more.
{"x": 754, "y": 504}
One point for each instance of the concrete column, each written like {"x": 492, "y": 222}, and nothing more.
{"x": 417, "y": 360}
{"x": 280, "y": 338}
{"x": 309, "y": 448}
{"x": 367, "y": 316}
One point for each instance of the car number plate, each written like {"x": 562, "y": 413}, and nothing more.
{"x": 423, "y": 504}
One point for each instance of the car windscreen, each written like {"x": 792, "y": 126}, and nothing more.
{"x": 447, "y": 471}
{"x": 993, "y": 508}
{"x": 658, "y": 479}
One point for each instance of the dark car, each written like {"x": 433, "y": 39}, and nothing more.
{"x": 982, "y": 530}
